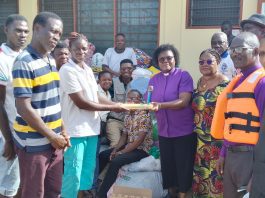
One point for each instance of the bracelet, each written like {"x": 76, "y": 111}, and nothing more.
{"x": 159, "y": 106}
{"x": 120, "y": 152}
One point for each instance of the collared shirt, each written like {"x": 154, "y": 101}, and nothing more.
{"x": 7, "y": 58}
{"x": 138, "y": 122}
{"x": 259, "y": 98}
{"x": 226, "y": 66}
{"x": 113, "y": 59}
{"x": 106, "y": 95}
{"x": 166, "y": 88}
{"x": 37, "y": 79}
{"x": 78, "y": 122}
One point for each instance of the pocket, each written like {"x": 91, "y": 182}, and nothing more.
{"x": 258, "y": 180}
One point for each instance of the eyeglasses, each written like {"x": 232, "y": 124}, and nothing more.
{"x": 133, "y": 99}
{"x": 239, "y": 50}
{"x": 209, "y": 62}
{"x": 217, "y": 42}
{"x": 163, "y": 59}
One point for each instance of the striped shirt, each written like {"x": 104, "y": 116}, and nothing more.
{"x": 36, "y": 79}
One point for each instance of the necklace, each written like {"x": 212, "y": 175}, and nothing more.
{"x": 202, "y": 86}
{"x": 204, "y": 83}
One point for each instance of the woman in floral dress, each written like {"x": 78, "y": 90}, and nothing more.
{"x": 206, "y": 182}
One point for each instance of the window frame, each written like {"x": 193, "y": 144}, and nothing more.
{"x": 115, "y": 27}
{"x": 259, "y": 5}
{"x": 188, "y": 26}
{"x": 17, "y": 12}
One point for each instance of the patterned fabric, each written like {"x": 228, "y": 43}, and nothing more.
{"x": 36, "y": 79}
{"x": 139, "y": 122}
{"x": 206, "y": 181}
{"x": 143, "y": 59}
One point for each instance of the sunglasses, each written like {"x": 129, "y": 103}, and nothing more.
{"x": 208, "y": 62}
{"x": 239, "y": 50}
{"x": 163, "y": 59}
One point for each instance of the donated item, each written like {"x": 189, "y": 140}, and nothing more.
{"x": 96, "y": 69}
{"x": 154, "y": 151}
{"x": 143, "y": 59}
{"x": 154, "y": 70}
{"x": 246, "y": 195}
{"x": 140, "y": 72}
{"x": 140, "y": 84}
{"x": 149, "y": 94}
{"x": 126, "y": 192}
{"x": 97, "y": 60}
{"x": 137, "y": 106}
{"x": 146, "y": 164}
{"x": 142, "y": 180}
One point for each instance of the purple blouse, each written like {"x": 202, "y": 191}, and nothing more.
{"x": 259, "y": 93}
{"x": 167, "y": 87}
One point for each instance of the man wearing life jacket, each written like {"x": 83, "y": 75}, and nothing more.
{"x": 238, "y": 114}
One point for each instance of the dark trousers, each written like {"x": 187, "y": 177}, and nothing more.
{"x": 41, "y": 173}
{"x": 115, "y": 165}
{"x": 237, "y": 172}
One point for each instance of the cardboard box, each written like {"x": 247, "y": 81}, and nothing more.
{"x": 127, "y": 192}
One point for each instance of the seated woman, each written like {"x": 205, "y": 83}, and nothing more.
{"x": 133, "y": 145}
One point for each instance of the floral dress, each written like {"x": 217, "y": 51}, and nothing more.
{"x": 206, "y": 182}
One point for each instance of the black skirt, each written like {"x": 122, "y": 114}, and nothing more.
{"x": 177, "y": 159}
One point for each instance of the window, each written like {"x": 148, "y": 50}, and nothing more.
{"x": 96, "y": 21}
{"x": 100, "y": 20}
{"x": 64, "y": 9}
{"x": 7, "y": 7}
{"x": 213, "y": 12}
{"x": 138, "y": 20}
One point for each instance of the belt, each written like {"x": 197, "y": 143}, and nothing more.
{"x": 243, "y": 148}
{"x": 111, "y": 117}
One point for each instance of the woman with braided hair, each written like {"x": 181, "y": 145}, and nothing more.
{"x": 80, "y": 105}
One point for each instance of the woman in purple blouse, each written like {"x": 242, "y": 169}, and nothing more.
{"x": 171, "y": 96}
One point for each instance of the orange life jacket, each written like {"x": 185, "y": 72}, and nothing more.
{"x": 236, "y": 117}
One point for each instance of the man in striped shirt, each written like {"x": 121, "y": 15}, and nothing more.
{"x": 39, "y": 135}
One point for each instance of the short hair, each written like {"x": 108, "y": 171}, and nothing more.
{"x": 100, "y": 74}
{"x": 74, "y": 36}
{"x": 163, "y": 48}
{"x": 227, "y": 23}
{"x": 43, "y": 17}
{"x": 14, "y": 17}
{"x": 222, "y": 36}
{"x": 126, "y": 61}
{"x": 214, "y": 53}
{"x": 60, "y": 45}
{"x": 248, "y": 38}
{"x": 136, "y": 91}
{"x": 120, "y": 34}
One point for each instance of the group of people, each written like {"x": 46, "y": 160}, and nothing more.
{"x": 54, "y": 114}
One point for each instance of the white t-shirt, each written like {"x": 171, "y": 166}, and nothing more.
{"x": 113, "y": 59}
{"x": 73, "y": 79}
{"x": 226, "y": 66}
{"x": 7, "y": 58}
{"x": 101, "y": 92}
